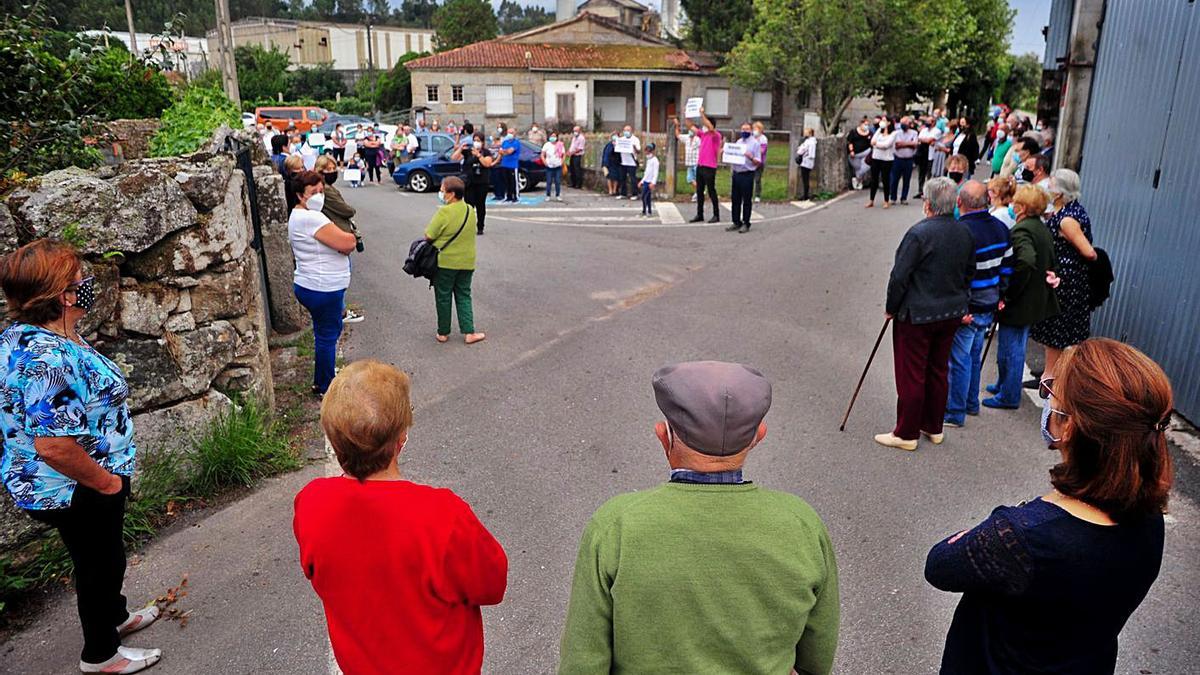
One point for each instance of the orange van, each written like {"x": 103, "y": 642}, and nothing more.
{"x": 304, "y": 117}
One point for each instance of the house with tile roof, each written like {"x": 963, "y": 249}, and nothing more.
{"x": 591, "y": 70}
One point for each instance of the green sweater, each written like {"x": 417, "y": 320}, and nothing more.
{"x": 1028, "y": 298}
{"x": 690, "y": 578}
{"x": 460, "y": 254}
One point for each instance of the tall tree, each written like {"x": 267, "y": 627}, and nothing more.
{"x": 821, "y": 46}
{"x": 262, "y": 73}
{"x": 514, "y": 18}
{"x": 717, "y": 26}
{"x": 463, "y": 22}
{"x": 984, "y": 66}
{"x": 924, "y": 41}
{"x": 417, "y": 13}
{"x": 1022, "y": 83}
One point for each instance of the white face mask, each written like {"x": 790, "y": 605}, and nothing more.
{"x": 442, "y": 197}
{"x": 477, "y": 145}
{"x": 316, "y": 202}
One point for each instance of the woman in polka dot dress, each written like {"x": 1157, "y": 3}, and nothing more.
{"x": 1072, "y": 230}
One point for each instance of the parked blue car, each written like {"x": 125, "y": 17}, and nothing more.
{"x": 433, "y": 164}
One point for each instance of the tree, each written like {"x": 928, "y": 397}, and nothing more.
{"x": 718, "y": 26}
{"x": 984, "y": 66}
{"x": 319, "y": 82}
{"x": 262, "y": 73}
{"x": 514, "y": 18}
{"x": 925, "y": 44}
{"x": 125, "y": 87}
{"x": 822, "y": 46}
{"x": 391, "y": 90}
{"x": 1024, "y": 80}
{"x": 416, "y": 13}
{"x": 463, "y": 22}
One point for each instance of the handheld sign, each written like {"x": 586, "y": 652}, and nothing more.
{"x": 734, "y": 153}
{"x": 623, "y": 145}
{"x": 316, "y": 140}
{"x": 692, "y": 109}
{"x": 352, "y": 175}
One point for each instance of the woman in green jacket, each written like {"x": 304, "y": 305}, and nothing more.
{"x": 1003, "y": 143}
{"x": 1029, "y": 297}
{"x": 452, "y": 231}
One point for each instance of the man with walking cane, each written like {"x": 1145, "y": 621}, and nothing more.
{"x": 927, "y": 299}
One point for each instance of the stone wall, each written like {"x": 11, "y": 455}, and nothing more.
{"x": 132, "y": 137}
{"x": 831, "y": 171}
{"x": 180, "y": 307}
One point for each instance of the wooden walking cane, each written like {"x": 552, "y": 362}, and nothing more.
{"x": 870, "y": 358}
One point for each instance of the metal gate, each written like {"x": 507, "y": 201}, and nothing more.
{"x": 1141, "y": 183}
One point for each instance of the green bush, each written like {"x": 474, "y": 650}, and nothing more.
{"x": 241, "y": 447}
{"x": 319, "y": 82}
{"x": 262, "y": 73}
{"x": 191, "y": 121}
{"x": 126, "y": 88}
{"x": 208, "y": 79}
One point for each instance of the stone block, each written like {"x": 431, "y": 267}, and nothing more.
{"x": 832, "y": 171}
{"x": 220, "y": 236}
{"x": 145, "y": 308}
{"x": 204, "y": 183}
{"x": 129, "y": 213}
{"x": 223, "y": 294}
{"x": 287, "y": 316}
{"x": 172, "y": 429}
{"x": 180, "y": 323}
{"x": 133, "y": 136}
{"x": 174, "y": 367}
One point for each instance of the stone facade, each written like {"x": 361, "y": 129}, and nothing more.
{"x": 179, "y": 307}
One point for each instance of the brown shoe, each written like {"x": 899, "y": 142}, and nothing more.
{"x": 472, "y": 338}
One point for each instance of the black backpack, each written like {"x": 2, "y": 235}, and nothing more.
{"x": 1100, "y": 279}
{"x": 422, "y": 260}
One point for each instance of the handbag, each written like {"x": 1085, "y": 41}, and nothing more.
{"x": 422, "y": 260}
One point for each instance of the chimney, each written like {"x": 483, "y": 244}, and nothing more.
{"x": 566, "y": 10}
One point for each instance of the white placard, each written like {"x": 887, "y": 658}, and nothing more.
{"x": 316, "y": 139}
{"x": 624, "y": 145}
{"x": 734, "y": 153}
{"x": 692, "y": 109}
{"x": 352, "y": 175}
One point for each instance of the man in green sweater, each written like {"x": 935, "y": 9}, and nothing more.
{"x": 707, "y": 573}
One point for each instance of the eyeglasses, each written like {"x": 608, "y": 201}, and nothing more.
{"x": 77, "y": 284}
{"x": 1046, "y": 392}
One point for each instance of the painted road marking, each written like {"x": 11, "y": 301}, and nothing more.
{"x": 755, "y": 216}
{"x": 669, "y": 214}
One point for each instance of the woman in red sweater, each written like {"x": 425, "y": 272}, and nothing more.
{"x": 401, "y": 568}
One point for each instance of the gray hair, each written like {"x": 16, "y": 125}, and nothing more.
{"x": 1047, "y": 134}
{"x": 1066, "y": 183}
{"x": 942, "y": 195}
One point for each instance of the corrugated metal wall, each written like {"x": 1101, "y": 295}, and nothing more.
{"x": 1141, "y": 131}
{"x": 1058, "y": 33}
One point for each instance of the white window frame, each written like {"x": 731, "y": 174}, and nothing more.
{"x": 431, "y": 93}
{"x": 495, "y": 103}
{"x": 457, "y": 93}
{"x": 716, "y": 102}
{"x": 756, "y": 99}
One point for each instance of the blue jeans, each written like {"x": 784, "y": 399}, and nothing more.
{"x": 966, "y": 360}
{"x": 901, "y": 170}
{"x": 326, "y": 310}
{"x": 554, "y": 177}
{"x": 647, "y": 198}
{"x": 1010, "y": 362}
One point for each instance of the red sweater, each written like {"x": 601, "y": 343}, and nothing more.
{"x": 401, "y": 569}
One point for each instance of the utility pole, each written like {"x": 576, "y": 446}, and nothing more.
{"x": 225, "y": 45}
{"x": 129, "y": 20}
{"x": 371, "y": 70}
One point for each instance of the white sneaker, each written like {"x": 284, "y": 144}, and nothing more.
{"x": 619, "y": 197}
{"x": 353, "y": 317}
{"x": 757, "y": 200}
{"x": 135, "y": 660}
{"x": 693, "y": 196}
{"x": 138, "y": 620}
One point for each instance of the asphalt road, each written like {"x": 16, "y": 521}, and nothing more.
{"x": 553, "y": 414}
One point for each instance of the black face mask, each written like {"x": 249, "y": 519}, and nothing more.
{"x": 85, "y": 294}
{"x": 330, "y": 177}
{"x": 956, "y": 176}
{"x": 1027, "y": 175}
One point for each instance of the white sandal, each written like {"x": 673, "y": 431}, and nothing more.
{"x": 138, "y": 620}
{"x": 135, "y": 660}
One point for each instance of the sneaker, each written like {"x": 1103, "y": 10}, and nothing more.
{"x": 620, "y": 197}
{"x": 352, "y": 316}
{"x": 693, "y": 196}
{"x": 744, "y": 229}
{"x": 855, "y": 184}
{"x": 949, "y": 421}
{"x": 893, "y": 441}
{"x": 994, "y": 403}
{"x": 757, "y": 200}
{"x": 715, "y": 219}
{"x": 936, "y": 439}
{"x": 138, "y": 620}
{"x": 734, "y": 227}
{"x": 992, "y": 389}
{"x": 557, "y": 198}
{"x": 135, "y": 660}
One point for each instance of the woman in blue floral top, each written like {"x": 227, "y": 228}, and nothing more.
{"x": 68, "y": 441}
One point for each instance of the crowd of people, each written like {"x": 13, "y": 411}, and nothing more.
{"x": 708, "y": 572}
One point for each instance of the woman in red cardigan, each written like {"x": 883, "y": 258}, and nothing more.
{"x": 402, "y": 569}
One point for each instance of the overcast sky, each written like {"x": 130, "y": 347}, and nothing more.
{"x": 1027, "y": 27}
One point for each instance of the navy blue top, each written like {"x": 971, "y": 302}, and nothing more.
{"x": 1043, "y": 591}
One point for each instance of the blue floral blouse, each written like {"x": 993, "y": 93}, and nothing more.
{"x": 51, "y": 386}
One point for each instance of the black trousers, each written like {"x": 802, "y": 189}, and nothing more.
{"x": 575, "y": 169}
{"x": 742, "y": 196}
{"x": 924, "y": 167}
{"x": 372, "y": 160}
{"x": 706, "y": 178}
{"x": 91, "y": 530}
{"x": 510, "y": 184}
{"x": 477, "y": 196}
{"x": 881, "y": 174}
{"x": 805, "y": 173}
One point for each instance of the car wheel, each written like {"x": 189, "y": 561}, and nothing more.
{"x": 522, "y": 181}
{"x": 418, "y": 181}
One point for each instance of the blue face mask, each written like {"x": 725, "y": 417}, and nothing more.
{"x": 626, "y": 134}
{"x": 441, "y": 197}
{"x": 1046, "y": 435}
{"x": 745, "y": 135}
{"x": 1011, "y": 213}
{"x": 957, "y": 213}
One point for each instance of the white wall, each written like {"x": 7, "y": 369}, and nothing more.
{"x": 577, "y": 87}
{"x": 343, "y": 45}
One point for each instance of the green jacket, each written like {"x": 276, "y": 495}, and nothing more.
{"x": 699, "y": 579}
{"x": 1029, "y": 299}
{"x": 337, "y": 210}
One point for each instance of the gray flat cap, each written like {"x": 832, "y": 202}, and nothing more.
{"x": 713, "y": 407}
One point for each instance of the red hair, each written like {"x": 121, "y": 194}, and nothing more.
{"x": 33, "y": 278}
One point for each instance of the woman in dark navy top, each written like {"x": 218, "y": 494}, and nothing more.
{"x": 1048, "y": 585}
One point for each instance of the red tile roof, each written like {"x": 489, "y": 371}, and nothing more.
{"x": 498, "y": 54}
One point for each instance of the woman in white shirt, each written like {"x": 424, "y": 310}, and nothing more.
{"x": 1000, "y": 193}
{"x": 883, "y": 152}
{"x": 552, "y": 157}
{"x": 322, "y": 253}
{"x": 806, "y": 156}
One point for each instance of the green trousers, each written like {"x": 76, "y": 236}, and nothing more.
{"x": 454, "y": 285}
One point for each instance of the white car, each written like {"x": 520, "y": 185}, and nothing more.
{"x": 248, "y": 121}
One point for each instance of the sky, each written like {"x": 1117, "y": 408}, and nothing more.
{"x": 1027, "y": 27}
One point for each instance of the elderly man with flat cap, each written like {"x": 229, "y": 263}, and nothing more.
{"x": 708, "y": 572}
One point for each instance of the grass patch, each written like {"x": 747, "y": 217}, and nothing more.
{"x": 774, "y": 183}
{"x": 235, "y": 451}
{"x": 305, "y": 347}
